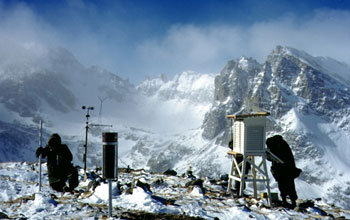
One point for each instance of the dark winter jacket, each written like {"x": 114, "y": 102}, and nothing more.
{"x": 281, "y": 149}
{"x": 59, "y": 158}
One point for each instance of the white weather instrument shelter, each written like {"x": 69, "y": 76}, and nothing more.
{"x": 248, "y": 142}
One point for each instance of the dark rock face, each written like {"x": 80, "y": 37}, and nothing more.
{"x": 214, "y": 122}
{"x": 321, "y": 92}
{"x": 232, "y": 86}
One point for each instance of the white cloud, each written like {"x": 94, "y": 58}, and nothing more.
{"x": 204, "y": 48}
{"x": 189, "y": 46}
{"x": 23, "y": 35}
{"x": 324, "y": 34}
{"x": 207, "y": 48}
{"x": 20, "y": 24}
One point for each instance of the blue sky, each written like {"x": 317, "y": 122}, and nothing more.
{"x": 135, "y": 38}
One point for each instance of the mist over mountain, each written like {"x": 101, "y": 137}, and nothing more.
{"x": 189, "y": 85}
{"x": 51, "y": 86}
{"x": 56, "y": 80}
{"x": 181, "y": 122}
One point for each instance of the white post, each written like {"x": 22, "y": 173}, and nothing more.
{"x": 254, "y": 178}
{"x": 40, "y": 157}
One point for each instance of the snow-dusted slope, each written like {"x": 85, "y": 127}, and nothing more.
{"x": 189, "y": 85}
{"x": 328, "y": 65}
{"x": 178, "y": 104}
{"x": 173, "y": 111}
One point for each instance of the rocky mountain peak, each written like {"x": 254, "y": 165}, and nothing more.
{"x": 338, "y": 70}
{"x": 286, "y": 80}
{"x": 234, "y": 77}
{"x": 232, "y": 86}
{"x": 303, "y": 77}
{"x": 248, "y": 64}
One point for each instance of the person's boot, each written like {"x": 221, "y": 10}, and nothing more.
{"x": 57, "y": 186}
{"x": 67, "y": 189}
{"x": 285, "y": 203}
{"x": 294, "y": 204}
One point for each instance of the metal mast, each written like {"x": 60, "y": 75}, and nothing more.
{"x": 88, "y": 108}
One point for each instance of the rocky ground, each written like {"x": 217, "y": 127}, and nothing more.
{"x": 142, "y": 195}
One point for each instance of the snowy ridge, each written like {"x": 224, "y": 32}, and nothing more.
{"x": 188, "y": 85}
{"x": 150, "y": 86}
{"x": 339, "y": 70}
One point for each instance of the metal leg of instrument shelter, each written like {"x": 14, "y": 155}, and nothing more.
{"x": 260, "y": 174}
{"x": 229, "y": 177}
{"x": 254, "y": 178}
{"x": 235, "y": 174}
{"x": 243, "y": 175}
{"x": 267, "y": 180}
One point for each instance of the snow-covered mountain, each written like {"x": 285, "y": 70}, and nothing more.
{"x": 59, "y": 84}
{"x": 51, "y": 86}
{"x": 181, "y": 122}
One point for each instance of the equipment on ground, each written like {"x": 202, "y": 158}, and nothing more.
{"x": 110, "y": 162}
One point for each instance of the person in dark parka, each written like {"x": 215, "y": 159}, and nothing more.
{"x": 59, "y": 164}
{"x": 284, "y": 173}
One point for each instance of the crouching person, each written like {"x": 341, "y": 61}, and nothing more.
{"x": 59, "y": 165}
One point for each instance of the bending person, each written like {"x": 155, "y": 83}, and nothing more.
{"x": 284, "y": 173}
